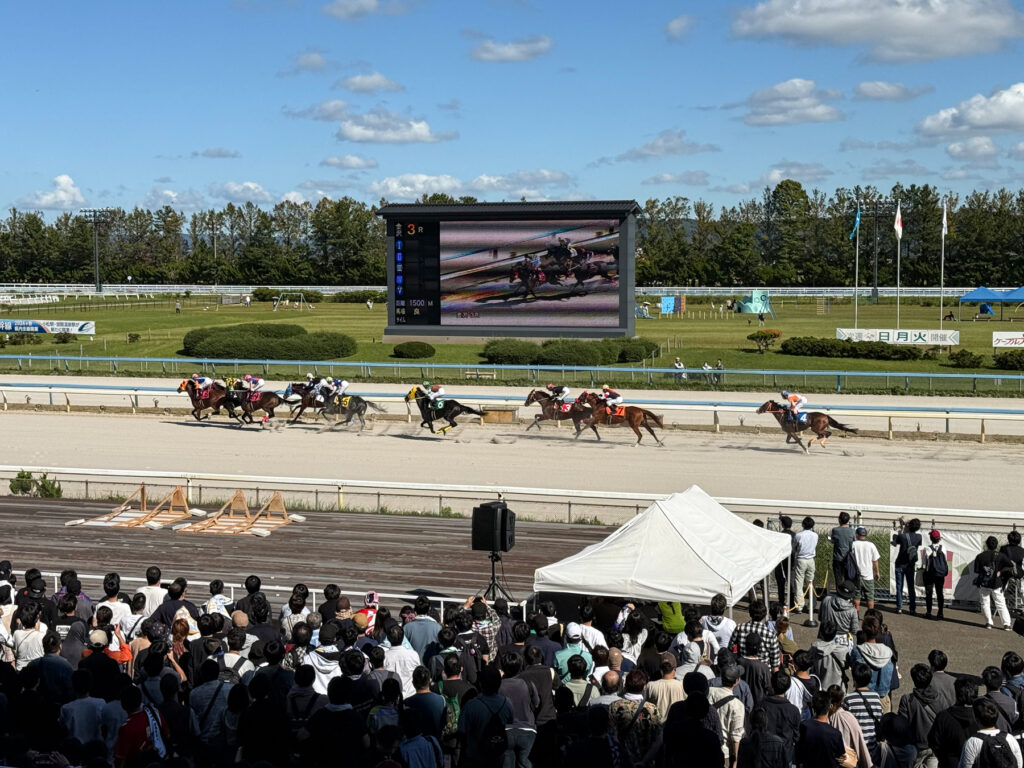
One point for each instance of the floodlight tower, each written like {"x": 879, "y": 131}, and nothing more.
{"x": 96, "y": 216}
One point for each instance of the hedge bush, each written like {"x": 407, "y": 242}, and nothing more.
{"x": 267, "y": 341}
{"x": 263, "y": 294}
{"x": 812, "y": 346}
{"x": 64, "y": 338}
{"x": 416, "y": 350}
{"x": 1010, "y": 361}
{"x": 570, "y": 352}
{"x": 510, "y": 352}
{"x": 964, "y": 358}
{"x": 359, "y": 297}
{"x": 764, "y": 338}
{"x": 26, "y": 339}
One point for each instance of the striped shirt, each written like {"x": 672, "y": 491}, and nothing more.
{"x": 867, "y": 708}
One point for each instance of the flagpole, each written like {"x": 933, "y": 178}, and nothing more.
{"x": 856, "y": 276}
{"x": 942, "y": 267}
{"x": 898, "y": 226}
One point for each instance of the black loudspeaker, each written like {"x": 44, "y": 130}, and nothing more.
{"x": 494, "y": 527}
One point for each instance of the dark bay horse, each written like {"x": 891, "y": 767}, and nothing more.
{"x": 257, "y": 401}
{"x": 214, "y": 398}
{"x": 632, "y": 415}
{"x": 349, "y": 406}
{"x": 550, "y": 410}
{"x": 307, "y": 399}
{"x": 528, "y": 281}
{"x": 449, "y": 410}
{"x": 817, "y": 422}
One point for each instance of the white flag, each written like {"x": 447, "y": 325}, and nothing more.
{"x": 945, "y": 227}
{"x": 898, "y": 224}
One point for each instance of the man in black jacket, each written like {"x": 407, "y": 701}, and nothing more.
{"x": 783, "y": 717}
{"x": 953, "y": 726}
{"x": 1013, "y": 550}
{"x": 920, "y": 707}
{"x": 991, "y": 569}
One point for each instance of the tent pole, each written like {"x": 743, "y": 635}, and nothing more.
{"x": 789, "y": 585}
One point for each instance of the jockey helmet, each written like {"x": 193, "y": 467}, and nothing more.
{"x": 426, "y": 384}
{"x": 550, "y": 386}
{"x": 195, "y": 375}
{"x": 309, "y": 376}
{"x": 785, "y": 393}
{"x": 605, "y": 386}
{"x": 248, "y": 377}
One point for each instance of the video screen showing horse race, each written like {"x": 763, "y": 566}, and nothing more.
{"x": 530, "y": 273}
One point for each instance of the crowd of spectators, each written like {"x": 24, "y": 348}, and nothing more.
{"x": 171, "y": 677}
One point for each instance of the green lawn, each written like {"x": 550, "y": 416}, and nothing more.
{"x": 698, "y": 337}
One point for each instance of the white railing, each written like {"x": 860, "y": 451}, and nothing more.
{"x": 557, "y": 497}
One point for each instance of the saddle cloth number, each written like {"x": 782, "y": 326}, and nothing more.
{"x": 254, "y": 396}
{"x": 204, "y": 394}
{"x": 346, "y": 400}
{"x": 566, "y": 407}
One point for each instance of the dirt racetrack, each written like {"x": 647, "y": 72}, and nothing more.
{"x": 936, "y": 473}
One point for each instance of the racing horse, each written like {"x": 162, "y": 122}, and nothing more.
{"x": 584, "y": 270}
{"x": 632, "y": 415}
{"x": 449, "y": 410}
{"x": 307, "y": 399}
{"x": 350, "y": 406}
{"x": 550, "y": 410}
{"x": 816, "y": 421}
{"x": 257, "y": 401}
{"x": 212, "y": 399}
{"x": 528, "y": 281}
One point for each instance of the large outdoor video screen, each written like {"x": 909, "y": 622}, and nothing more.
{"x": 510, "y": 269}
{"x": 530, "y": 273}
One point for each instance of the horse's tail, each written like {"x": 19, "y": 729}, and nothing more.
{"x": 833, "y": 423}
{"x": 374, "y": 406}
{"x": 467, "y": 409}
{"x": 654, "y": 417}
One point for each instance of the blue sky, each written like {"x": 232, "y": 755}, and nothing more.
{"x": 199, "y": 103}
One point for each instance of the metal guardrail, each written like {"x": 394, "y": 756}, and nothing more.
{"x": 554, "y": 496}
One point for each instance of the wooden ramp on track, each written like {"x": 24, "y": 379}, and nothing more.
{"x": 235, "y": 518}
{"x": 173, "y": 508}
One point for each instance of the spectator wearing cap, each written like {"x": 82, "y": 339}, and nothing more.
{"x": 731, "y": 711}
{"x": 422, "y": 631}
{"x": 666, "y": 690}
{"x": 542, "y": 640}
{"x": 768, "y": 650}
{"x": 865, "y": 554}
{"x": 805, "y": 548}
{"x": 35, "y": 594}
{"x": 637, "y": 730}
{"x": 934, "y": 583}
{"x": 573, "y": 647}
{"x": 106, "y": 672}
{"x": 838, "y": 611}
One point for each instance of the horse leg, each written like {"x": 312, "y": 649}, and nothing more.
{"x": 647, "y": 426}
{"x": 298, "y": 415}
{"x": 639, "y": 435}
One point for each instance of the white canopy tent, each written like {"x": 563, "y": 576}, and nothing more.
{"x": 684, "y": 548}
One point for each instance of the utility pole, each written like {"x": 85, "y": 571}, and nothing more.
{"x": 96, "y": 216}
{"x": 874, "y": 284}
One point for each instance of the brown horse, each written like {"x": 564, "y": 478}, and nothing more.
{"x": 307, "y": 399}
{"x": 213, "y": 399}
{"x": 817, "y": 422}
{"x": 257, "y": 401}
{"x": 550, "y": 410}
{"x": 632, "y": 415}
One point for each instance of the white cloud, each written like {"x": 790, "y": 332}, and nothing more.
{"x": 516, "y": 50}
{"x": 349, "y": 161}
{"x": 668, "y": 143}
{"x": 217, "y": 153}
{"x": 732, "y": 189}
{"x": 880, "y": 90}
{"x": 241, "y": 192}
{"x": 370, "y": 83}
{"x": 805, "y": 173}
{"x": 893, "y": 30}
{"x": 791, "y": 102}
{"x": 310, "y": 61}
{"x": 1017, "y": 152}
{"x": 330, "y": 111}
{"x": 293, "y": 197}
{"x": 530, "y": 184}
{"x": 187, "y": 201}
{"x": 1002, "y": 111}
{"x": 678, "y": 27}
{"x": 690, "y": 178}
{"x": 849, "y": 144}
{"x": 350, "y": 9}
{"x": 905, "y": 170}
{"x": 63, "y": 196}
{"x": 382, "y": 126}
{"x": 974, "y": 148}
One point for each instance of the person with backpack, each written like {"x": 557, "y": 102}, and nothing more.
{"x": 731, "y": 712}
{"x": 1013, "y": 550}
{"x": 920, "y": 707}
{"x": 483, "y": 721}
{"x": 990, "y": 571}
{"x": 988, "y": 747}
{"x": 908, "y": 540}
{"x": 954, "y": 726}
{"x": 936, "y": 568}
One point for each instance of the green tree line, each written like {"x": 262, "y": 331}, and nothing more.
{"x": 788, "y": 237}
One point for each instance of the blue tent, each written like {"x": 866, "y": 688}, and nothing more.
{"x": 1017, "y": 295}
{"x": 983, "y": 294}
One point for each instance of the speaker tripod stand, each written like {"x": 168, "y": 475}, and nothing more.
{"x": 495, "y": 588}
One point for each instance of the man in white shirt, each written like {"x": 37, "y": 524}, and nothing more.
{"x": 401, "y": 660}
{"x": 153, "y": 591}
{"x": 865, "y": 554}
{"x": 805, "y": 547}
{"x": 988, "y": 737}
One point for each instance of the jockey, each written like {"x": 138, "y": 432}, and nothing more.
{"x": 611, "y": 397}
{"x": 435, "y": 393}
{"x": 558, "y": 392}
{"x": 202, "y": 382}
{"x": 253, "y": 383}
{"x": 339, "y": 386}
{"x": 794, "y": 402}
